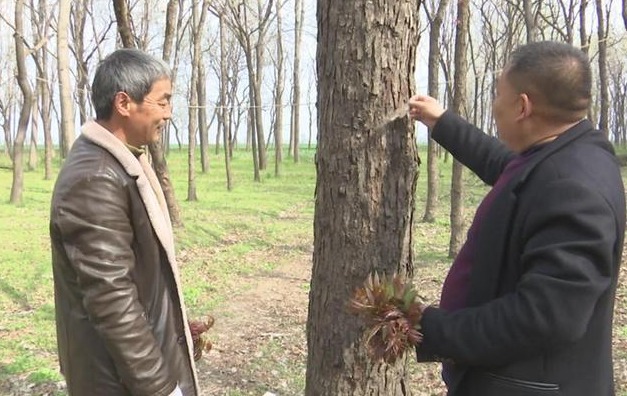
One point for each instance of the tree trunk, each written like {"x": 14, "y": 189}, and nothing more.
{"x": 366, "y": 180}
{"x": 252, "y": 125}
{"x": 278, "y": 95}
{"x": 197, "y": 26}
{"x": 225, "y": 112}
{"x": 258, "y": 110}
{"x": 34, "y": 131}
{"x": 530, "y": 19}
{"x": 458, "y": 106}
{"x": 299, "y": 12}
{"x": 603, "y": 84}
{"x": 65, "y": 89}
{"x": 82, "y": 83}
{"x": 44, "y": 94}
{"x": 433, "y": 177}
{"x": 17, "y": 187}
{"x": 202, "y": 111}
{"x": 124, "y": 26}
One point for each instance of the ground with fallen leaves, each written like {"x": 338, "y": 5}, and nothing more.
{"x": 260, "y": 345}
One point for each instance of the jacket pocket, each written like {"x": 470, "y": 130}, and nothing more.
{"x": 494, "y": 384}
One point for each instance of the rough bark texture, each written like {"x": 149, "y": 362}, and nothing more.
{"x": 367, "y": 170}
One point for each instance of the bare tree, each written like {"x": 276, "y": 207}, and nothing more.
{"x": 603, "y": 79}
{"x": 225, "y": 112}
{"x": 458, "y": 105}
{"x": 65, "y": 88}
{"x": 433, "y": 177}
{"x": 251, "y": 36}
{"x": 561, "y": 17}
{"x": 278, "y": 94}
{"x": 44, "y": 84}
{"x": 123, "y": 18}
{"x": 34, "y": 131}
{"x": 531, "y": 18}
{"x": 17, "y": 187}
{"x": 366, "y": 178}
{"x": 198, "y": 22}
{"x": 299, "y": 16}
{"x": 80, "y": 11}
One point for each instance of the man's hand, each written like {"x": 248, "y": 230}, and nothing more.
{"x": 425, "y": 109}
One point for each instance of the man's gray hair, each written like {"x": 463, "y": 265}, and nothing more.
{"x": 126, "y": 70}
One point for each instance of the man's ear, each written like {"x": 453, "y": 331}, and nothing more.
{"x": 526, "y": 107}
{"x": 122, "y": 103}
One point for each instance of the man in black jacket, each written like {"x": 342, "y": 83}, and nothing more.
{"x": 527, "y": 306}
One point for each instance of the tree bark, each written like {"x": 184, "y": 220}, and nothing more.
{"x": 299, "y": 12}
{"x": 17, "y": 187}
{"x": 203, "y": 128}
{"x": 433, "y": 178}
{"x": 43, "y": 86}
{"x": 65, "y": 89}
{"x": 458, "y": 106}
{"x": 34, "y": 131}
{"x": 123, "y": 18}
{"x": 226, "y": 122}
{"x": 366, "y": 178}
{"x": 278, "y": 95}
{"x": 603, "y": 83}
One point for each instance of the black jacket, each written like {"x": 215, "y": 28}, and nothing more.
{"x": 543, "y": 281}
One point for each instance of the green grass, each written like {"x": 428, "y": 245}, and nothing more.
{"x": 222, "y": 231}
{"x": 226, "y": 235}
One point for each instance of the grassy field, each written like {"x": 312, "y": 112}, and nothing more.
{"x": 225, "y": 237}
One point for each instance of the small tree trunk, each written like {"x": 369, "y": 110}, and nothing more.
{"x": 278, "y": 96}
{"x": 17, "y": 187}
{"x": 299, "y": 12}
{"x": 459, "y": 98}
{"x": 603, "y": 84}
{"x": 225, "y": 113}
{"x": 65, "y": 89}
{"x": 433, "y": 177}
{"x": 34, "y": 131}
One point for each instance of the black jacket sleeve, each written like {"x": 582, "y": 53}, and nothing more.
{"x": 566, "y": 266}
{"x": 484, "y": 155}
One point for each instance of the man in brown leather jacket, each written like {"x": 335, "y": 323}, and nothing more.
{"x": 121, "y": 323}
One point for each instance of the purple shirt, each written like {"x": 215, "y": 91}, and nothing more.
{"x": 455, "y": 288}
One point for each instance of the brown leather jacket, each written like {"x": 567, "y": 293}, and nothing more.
{"x": 121, "y": 324}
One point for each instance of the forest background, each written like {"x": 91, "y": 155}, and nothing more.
{"x": 238, "y": 159}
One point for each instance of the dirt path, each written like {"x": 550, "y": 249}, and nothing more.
{"x": 259, "y": 344}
